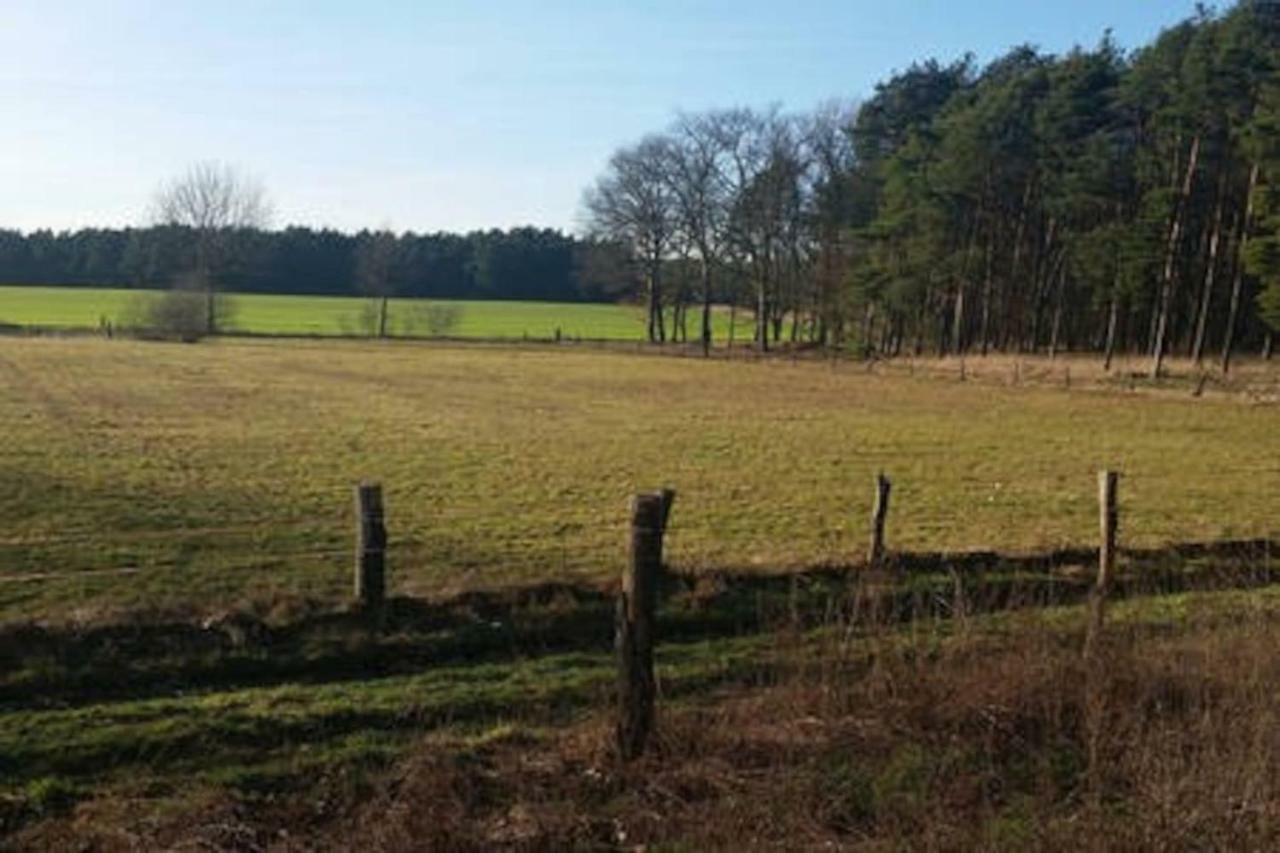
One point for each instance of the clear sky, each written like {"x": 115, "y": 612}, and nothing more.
{"x": 440, "y": 115}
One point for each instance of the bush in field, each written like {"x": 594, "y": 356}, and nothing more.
{"x": 179, "y": 314}
{"x": 367, "y": 324}
{"x": 433, "y": 319}
{"x": 441, "y": 318}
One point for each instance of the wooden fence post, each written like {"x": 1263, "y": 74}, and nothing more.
{"x": 668, "y": 497}
{"x": 371, "y": 547}
{"x": 634, "y": 624}
{"x": 878, "y": 515}
{"x": 1108, "y": 519}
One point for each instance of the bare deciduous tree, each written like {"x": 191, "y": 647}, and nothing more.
{"x": 219, "y": 204}
{"x": 829, "y": 139}
{"x": 768, "y": 176}
{"x": 632, "y": 204}
{"x": 375, "y": 268}
{"x": 696, "y": 173}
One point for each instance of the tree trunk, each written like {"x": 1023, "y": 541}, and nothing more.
{"x": 958, "y": 341}
{"x": 1113, "y": 316}
{"x": 762, "y": 315}
{"x": 957, "y": 320}
{"x": 985, "y": 332}
{"x": 1169, "y": 276}
{"x": 1241, "y": 244}
{"x": 706, "y": 308}
{"x": 210, "y": 310}
{"x": 1043, "y": 279}
{"x": 1210, "y": 273}
{"x": 382, "y": 317}
{"x": 1015, "y": 264}
{"x": 650, "y": 290}
{"x": 868, "y": 315}
{"x": 1057, "y": 310}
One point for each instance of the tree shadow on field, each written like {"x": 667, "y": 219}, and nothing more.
{"x": 311, "y": 641}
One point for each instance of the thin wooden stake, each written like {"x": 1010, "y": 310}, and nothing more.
{"x": 1108, "y": 519}
{"x": 878, "y": 515}
{"x": 634, "y": 625}
{"x": 371, "y": 546}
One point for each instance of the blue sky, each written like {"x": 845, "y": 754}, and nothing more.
{"x": 440, "y": 116}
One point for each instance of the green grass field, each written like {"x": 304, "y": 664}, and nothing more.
{"x": 265, "y": 314}
{"x": 224, "y": 470}
{"x": 176, "y": 547}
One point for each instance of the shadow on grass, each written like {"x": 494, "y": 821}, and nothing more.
{"x": 44, "y": 667}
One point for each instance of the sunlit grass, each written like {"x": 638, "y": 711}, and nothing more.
{"x": 270, "y": 314}
{"x": 223, "y": 471}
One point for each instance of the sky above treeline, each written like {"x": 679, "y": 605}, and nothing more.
{"x": 449, "y": 116}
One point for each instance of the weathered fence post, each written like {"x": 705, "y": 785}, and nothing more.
{"x": 634, "y": 624}
{"x": 668, "y": 496}
{"x": 371, "y": 548}
{"x": 878, "y": 515}
{"x": 1108, "y": 519}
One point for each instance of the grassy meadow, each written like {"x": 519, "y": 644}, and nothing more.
{"x": 224, "y": 471}
{"x": 177, "y": 666}
{"x": 271, "y": 314}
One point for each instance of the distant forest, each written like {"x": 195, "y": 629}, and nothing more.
{"x": 522, "y": 263}
{"x": 1096, "y": 200}
{"x": 1103, "y": 200}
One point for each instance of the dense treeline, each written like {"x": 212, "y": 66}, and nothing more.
{"x": 1097, "y": 200}
{"x": 522, "y": 263}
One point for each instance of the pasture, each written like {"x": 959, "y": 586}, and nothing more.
{"x": 180, "y": 517}
{"x": 224, "y": 471}
{"x": 328, "y": 316}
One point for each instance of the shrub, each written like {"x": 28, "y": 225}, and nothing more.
{"x": 178, "y": 314}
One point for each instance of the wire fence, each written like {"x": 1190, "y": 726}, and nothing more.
{"x": 442, "y": 544}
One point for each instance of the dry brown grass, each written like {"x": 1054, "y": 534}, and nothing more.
{"x": 974, "y": 746}
{"x": 936, "y": 738}
{"x": 1251, "y": 380}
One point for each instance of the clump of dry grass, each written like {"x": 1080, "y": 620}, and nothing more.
{"x": 972, "y": 744}
{"x": 951, "y": 734}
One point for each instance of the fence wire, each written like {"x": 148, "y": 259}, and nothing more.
{"x": 446, "y": 541}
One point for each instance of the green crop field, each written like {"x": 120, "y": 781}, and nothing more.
{"x": 266, "y": 314}
{"x": 176, "y": 549}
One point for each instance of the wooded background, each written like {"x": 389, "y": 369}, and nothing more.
{"x": 1103, "y": 200}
